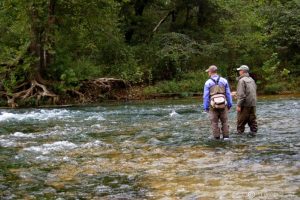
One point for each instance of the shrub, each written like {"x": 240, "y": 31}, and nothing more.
{"x": 276, "y": 76}
{"x": 191, "y": 82}
{"x": 173, "y": 55}
{"x": 274, "y": 88}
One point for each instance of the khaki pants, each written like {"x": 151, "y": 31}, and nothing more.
{"x": 219, "y": 114}
{"x": 247, "y": 116}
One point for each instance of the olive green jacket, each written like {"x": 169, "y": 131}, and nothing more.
{"x": 246, "y": 91}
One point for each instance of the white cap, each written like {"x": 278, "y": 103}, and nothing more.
{"x": 243, "y": 68}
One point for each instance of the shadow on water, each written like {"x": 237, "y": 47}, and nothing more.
{"x": 151, "y": 150}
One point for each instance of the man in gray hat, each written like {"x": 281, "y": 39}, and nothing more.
{"x": 246, "y": 102}
{"x": 217, "y": 101}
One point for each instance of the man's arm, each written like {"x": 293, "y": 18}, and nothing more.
{"x": 228, "y": 96}
{"x": 206, "y": 97}
{"x": 241, "y": 93}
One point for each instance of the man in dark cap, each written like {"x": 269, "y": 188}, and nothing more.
{"x": 246, "y": 102}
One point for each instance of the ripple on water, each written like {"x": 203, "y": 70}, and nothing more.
{"x": 8, "y": 143}
{"x": 52, "y": 147}
{"x": 22, "y": 135}
{"x": 40, "y": 115}
{"x": 95, "y": 117}
{"x": 64, "y": 146}
{"x": 96, "y": 143}
{"x": 103, "y": 190}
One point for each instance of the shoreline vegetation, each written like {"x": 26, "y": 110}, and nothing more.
{"x": 81, "y": 52}
{"x": 115, "y": 89}
{"x": 127, "y": 94}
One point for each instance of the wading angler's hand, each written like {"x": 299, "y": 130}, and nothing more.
{"x": 233, "y": 94}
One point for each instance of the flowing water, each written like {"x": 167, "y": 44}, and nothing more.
{"x": 151, "y": 150}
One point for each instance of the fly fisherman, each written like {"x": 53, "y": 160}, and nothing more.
{"x": 217, "y": 101}
{"x": 246, "y": 102}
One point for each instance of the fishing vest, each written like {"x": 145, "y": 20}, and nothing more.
{"x": 217, "y": 95}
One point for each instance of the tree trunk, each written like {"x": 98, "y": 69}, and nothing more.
{"x": 187, "y": 16}
{"x": 139, "y": 7}
{"x": 162, "y": 21}
{"x": 36, "y": 47}
{"x": 35, "y": 85}
{"x": 201, "y": 15}
{"x": 49, "y": 34}
{"x": 41, "y": 39}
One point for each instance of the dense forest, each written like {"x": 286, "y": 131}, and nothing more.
{"x": 52, "y": 48}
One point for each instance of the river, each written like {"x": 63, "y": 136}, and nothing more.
{"x": 147, "y": 150}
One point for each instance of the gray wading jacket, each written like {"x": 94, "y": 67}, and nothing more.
{"x": 246, "y": 91}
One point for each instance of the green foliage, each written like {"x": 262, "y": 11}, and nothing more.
{"x": 3, "y": 103}
{"x": 69, "y": 77}
{"x": 14, "y": 41}
{"x": 284, "y": 29}
{"x": 174, "y": 55}
{"x": 123, "y": 63}
{"x": 132, "y": 72}
{"x": 275, "y": 77}
{"x": 88, "y": 39}
{"x": 103, "y": 38}
{"x": 85, "y": 69}
{"x": 293, "y": 84}
{"x": 274, "y": 88}
{"x": 191, "y": 82}
{"x": 243, "y": 35}
{"x": 270, "y": 67}
{"x": 15, "y": 75}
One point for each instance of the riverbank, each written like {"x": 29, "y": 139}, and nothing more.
{"x": 99, "y": 90}
{"x": 134, "y": 95}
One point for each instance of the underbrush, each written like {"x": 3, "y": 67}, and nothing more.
{"x": 189, "y": 83}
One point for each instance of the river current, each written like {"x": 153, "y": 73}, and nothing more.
{"x": 149, "y": 150}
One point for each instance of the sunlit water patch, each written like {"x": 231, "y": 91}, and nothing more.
{"x": 154, "y": 150}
